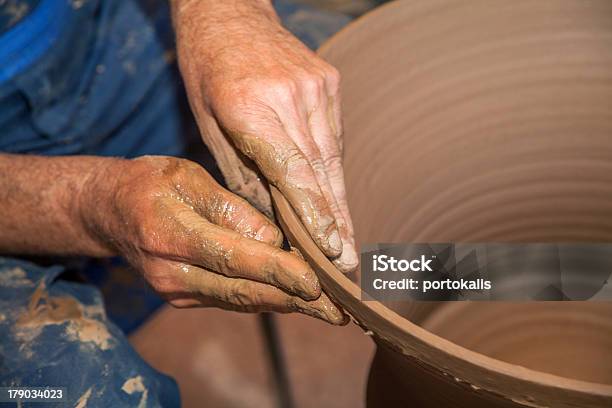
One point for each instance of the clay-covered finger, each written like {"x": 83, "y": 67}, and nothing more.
{"x": 248, "y": 296}
{"x": 225, "y": 251}
{"x": 226, "y": 209}
{"x": 286, "y": 167}
{"x": 230, "y": 211}
{"x": 322, "y": 150}
{"x": 348, "y": 260}
{"x": 332, "y": 181}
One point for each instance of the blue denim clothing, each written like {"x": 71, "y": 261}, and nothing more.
{"x": 106, "y": 86}
{"x": 56, "y": 333}
{"x": 95, "y": 77}
{"x": 12, "y": 12}
{"x": 23, "y": 45}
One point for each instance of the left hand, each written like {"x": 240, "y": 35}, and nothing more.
{"x": 196, "y": 244}
{"x": 278, "y": 103}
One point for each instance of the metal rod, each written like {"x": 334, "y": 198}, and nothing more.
{"x": 277, "y": 360}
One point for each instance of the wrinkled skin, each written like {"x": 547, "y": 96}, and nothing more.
{"x": 258, "y": 93}
{"x": 196, "y": 243}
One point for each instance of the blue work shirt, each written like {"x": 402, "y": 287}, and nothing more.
{"x": 90, "y": 77}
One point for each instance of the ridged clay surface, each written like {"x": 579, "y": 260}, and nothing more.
{"x": 479, "y": 121}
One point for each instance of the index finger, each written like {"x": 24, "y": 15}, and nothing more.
{"x": 225, "y": 208}
{"x": 225, "y": 251}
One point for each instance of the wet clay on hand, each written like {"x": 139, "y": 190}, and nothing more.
{"x": 197, "y": 244}
{"x": 480, "y": 121}
{"x": 253, "y": 86}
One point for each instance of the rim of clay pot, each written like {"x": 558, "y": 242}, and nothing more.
{"x": 469, "y": 368}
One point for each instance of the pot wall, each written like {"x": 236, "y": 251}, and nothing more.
{"x": 482, "y": 121}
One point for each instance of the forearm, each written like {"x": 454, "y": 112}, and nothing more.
{"x": 220, "y": 11}
{"x": 41, "y": 208}
{"x": 210, "y": 30}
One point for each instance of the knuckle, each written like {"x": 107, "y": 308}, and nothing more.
{"x": 186, "y": 168}
{"x": 147, "y": 234}
{"x": 292, "y": 304}
{"x": 292, "y": 158}
{"x": 333, "y": 78}
{"x": 229, "y": 253}
{"x": 220, "y": 209}
{"x": 185, "y": 164}
{"x": 313, "y": 84}
{"x": 285, "y": 89}
{"x": 333, "y": 161}
{"x": 242, "y": 294}
{"x": 318, "y": 165}
{"x": 227, "y": 212}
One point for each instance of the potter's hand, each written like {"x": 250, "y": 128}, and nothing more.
{"x": 278, "y": 103}
{"x": 196, "y": 243}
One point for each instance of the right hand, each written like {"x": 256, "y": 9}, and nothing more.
{"x": 196, "y": 243}
{"x": 253, "y": 86}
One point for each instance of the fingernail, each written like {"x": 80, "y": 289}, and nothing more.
{"x": 348, "y": 260}
{"x": 335, "y": 243}
{"x": 300, "y": 279}
{"x": 333, "y": 315}
{"x": 269, "y": 235}
{"x": 324, "y": 309}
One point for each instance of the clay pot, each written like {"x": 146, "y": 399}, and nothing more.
{"x": 478, "y": 121}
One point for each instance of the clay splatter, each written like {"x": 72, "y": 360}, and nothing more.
{"x": 134, "y": 384}
{"x": 16, "y": 10}
{"x": 77, "y": 4}
{"x": 82, "y": 402}
{"x": 44, "y": 310}
{"x": 13, "y": 278}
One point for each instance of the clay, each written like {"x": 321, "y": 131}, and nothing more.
{"x": 247, "y": 295}
{"x": 135, "y": 385}
{"x": 44, "y": 310}
{"x": 82, "y": 401}
{"x": 296, "y": 183}
{"x": 14, "y": 277}
{"x": 238, "y": 171}
{"x": 480, "y": 121}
